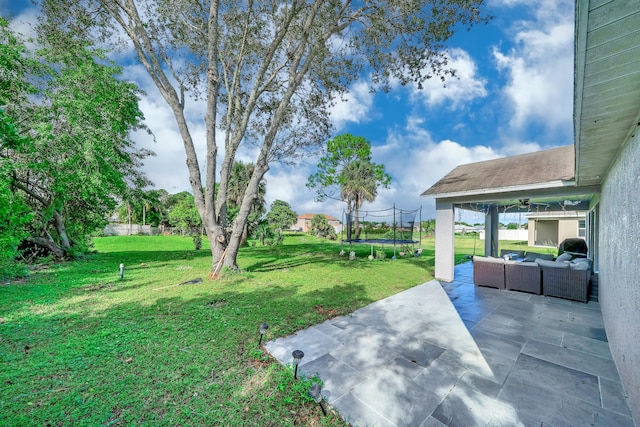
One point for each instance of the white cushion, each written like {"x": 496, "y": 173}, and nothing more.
{"x": 580, "y": 264}
{"x": 488, "y": 259}
{"x": 552, "y": 264}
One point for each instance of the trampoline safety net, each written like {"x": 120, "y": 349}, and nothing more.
{"x": 392, "y": 225}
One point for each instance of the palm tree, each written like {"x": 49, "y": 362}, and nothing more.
{"x": 358, "y": 185}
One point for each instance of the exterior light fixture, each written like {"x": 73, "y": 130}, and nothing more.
{"x": 315, "y": 392}
{"x": 297, "y": 357}
{"x": 263, "y": 330}
{"x": 121, "y": 271}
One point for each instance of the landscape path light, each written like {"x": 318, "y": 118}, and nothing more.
{"x": 315, "y": 392}
{"x": 121, "y": 271}
{"x": 263, "y": 330}
{"x": 297, "y": 357}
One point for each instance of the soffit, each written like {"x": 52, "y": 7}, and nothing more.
{"x": 607, "y": 83}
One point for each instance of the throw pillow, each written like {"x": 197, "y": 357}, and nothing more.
{"x": 564, "y": 257}
{"x": 580, "y": 264}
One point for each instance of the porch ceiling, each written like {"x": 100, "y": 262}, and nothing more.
{"x": 530, "y": 205}
{"x": 607, "y": 84}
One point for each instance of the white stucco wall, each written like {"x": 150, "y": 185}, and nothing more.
{"x": 128, "y": 230}
{"x": 444, "y": 241}
{"x": 619, "y": 270}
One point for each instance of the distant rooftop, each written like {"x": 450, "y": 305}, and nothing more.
{"x": 310, "y": 216}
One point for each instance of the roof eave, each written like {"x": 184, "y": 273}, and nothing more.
{"x": 582, "y": 18}
{"x": 501, "y": 190}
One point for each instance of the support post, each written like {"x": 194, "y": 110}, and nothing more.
{"x": 491, "y": 226}
{"x": 444, "y": 241}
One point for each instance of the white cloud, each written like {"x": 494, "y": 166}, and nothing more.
{"x": 354, "y": 107}
{"x": 288, "y": 183}
{"x": 416, "y": 162}
{"x": 540, "y": 68}
{"x": 23, "y": 22}
{"x": 456, "y": 91}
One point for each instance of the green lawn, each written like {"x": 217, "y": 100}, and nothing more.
{"x": 79, "y": 346}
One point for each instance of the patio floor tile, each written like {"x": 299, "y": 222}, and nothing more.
{"x": 399, "y": 399}
{"x": 338, "y": 378}
{"x": 572, "y": 359}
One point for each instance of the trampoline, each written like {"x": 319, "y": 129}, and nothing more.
{"x": 392, "y": 226}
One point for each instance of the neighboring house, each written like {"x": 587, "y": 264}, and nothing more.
{"x": 598, "y": 173}
{"x": 551, "y": 228}
{"x": 304, "y": 222}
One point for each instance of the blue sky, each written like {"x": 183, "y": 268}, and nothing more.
{"x": 513, "y": 94}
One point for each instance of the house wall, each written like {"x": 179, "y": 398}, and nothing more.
{"x": 567, "y": 229}
{"x": 444, "y": 268}
{"x": 303, "y": 224}
{"x": 619, "y": 246}
{"x": 504, "y": 234}
{"x": 128, "y": 230}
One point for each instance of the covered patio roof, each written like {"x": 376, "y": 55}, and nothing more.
{"x": 533, "y": 182}
{"x": 543, "y": 181}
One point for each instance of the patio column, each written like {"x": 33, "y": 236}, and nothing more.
{"x": 444, "y": 241}
{"x": 491, "y": 226}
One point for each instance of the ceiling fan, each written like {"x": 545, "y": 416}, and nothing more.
{"x": 526, "y": 204}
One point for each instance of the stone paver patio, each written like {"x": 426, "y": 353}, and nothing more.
{"x": 459, "y": 355}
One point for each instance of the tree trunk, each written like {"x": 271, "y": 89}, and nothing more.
{"x": 48, "y": 244}
{"x": 62, "y": 231}
{"x": 235, "y": 239}
{"x": 357, "y": 221}
{"x": 245, "y": 235}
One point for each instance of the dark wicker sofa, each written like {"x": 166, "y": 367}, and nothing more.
{"x": 566, "y": 282}
{"x": 522, "y": 276}
{"x": 488, "y": 271}
{"x": 562, "y": 279}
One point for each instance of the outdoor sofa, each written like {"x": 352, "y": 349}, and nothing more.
{"x": 567, "y": 277}
{"x": 489, "y": 272}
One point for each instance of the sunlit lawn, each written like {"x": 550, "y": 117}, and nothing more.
{"x": 79, "y": 346}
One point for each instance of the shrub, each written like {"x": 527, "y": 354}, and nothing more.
{"x": 321, "y": 227}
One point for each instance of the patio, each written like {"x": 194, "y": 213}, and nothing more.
{"x": 459, "y": 355}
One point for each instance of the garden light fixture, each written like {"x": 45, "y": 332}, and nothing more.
{"x": 263, "y": 330}
{"x": 315, "y": 392}
{"x": 297, "y": 357}
{"x": 121, "y": 271}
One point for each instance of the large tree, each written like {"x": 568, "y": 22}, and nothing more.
{"x": 346, "y": 170}
{"x": 74, "y": 154}
{"x": 268, "y": 71}
{"x": 15, "y": 87}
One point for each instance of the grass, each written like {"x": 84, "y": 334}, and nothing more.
{"x": 79, "y": 346}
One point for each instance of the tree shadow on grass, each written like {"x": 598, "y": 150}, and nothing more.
{"x": 193, "y": 350}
